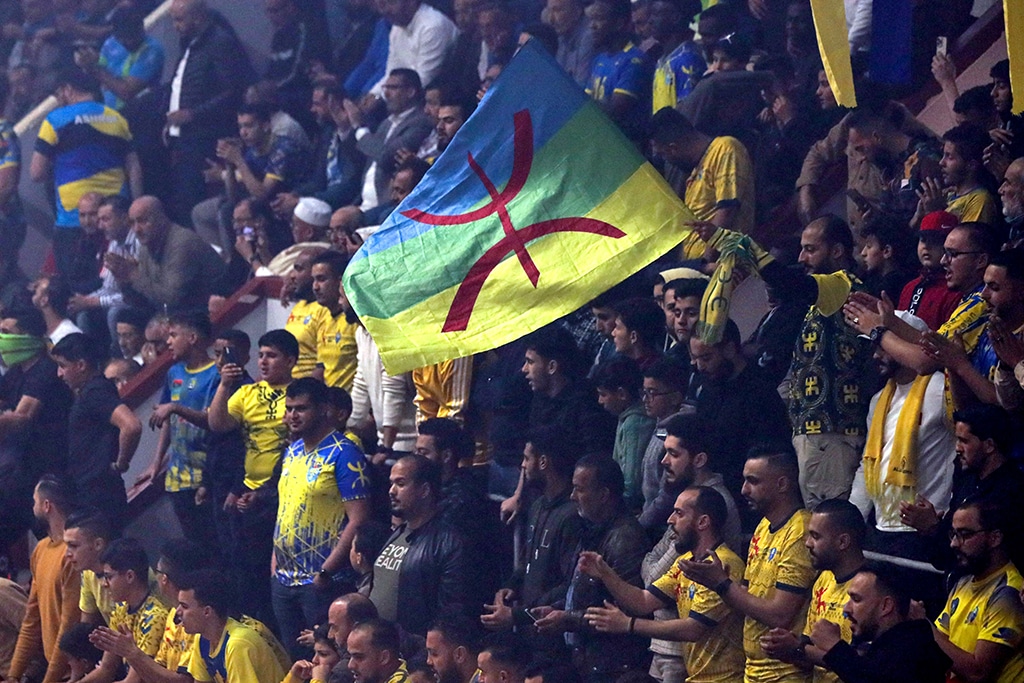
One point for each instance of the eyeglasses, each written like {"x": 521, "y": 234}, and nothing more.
{"x": 648, "y": 394}
{"x": 964, "y": 535}
{"x": 107, "y": 576}
{"x": 953, "y": 253}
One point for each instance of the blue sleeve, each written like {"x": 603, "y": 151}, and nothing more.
{"x": 165, "y": 395}
{"x": 10, "y": 150}
{"x": 150, "y": 65}
{"x": 371, "y": 69}
{"x": 689, "y": 70}
{"x": 631, "y": 78}
{"x": 350, "y": 472}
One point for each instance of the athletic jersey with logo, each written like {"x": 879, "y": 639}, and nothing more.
{"x": 336, "y": 350}
{"x": 241, "y": 651}
{"x": 259, "y": 409}
{"x": 176, "y": 646}
{"x": 86, "y": 144}
{"x": 724, "y": 178}
{"x": 621, "y": 73}
{"x": 94, "y": 597}
{"x": 718, "y": 656}
{"x": 978, "y": 205}
{"x": 828, "y": 600}
{"x": 970, "y": 319}
{"x": 988, "y": 609}
{"x": 146, "y": 624}
{"x": 303, "y": 322}
{"x": 186, "y": 450}
{"x": 676, "y": 75}
{"x": 777, "y": 559}
{"x": 312, "y": 491}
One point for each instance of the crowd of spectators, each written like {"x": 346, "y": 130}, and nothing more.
{"x": 610, "y": 498}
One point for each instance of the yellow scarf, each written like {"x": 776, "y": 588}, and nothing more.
{"x": 903, "y": 461}
{"x": 738, "y": 257}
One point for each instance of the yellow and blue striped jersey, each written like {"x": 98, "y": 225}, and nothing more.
{"x": 241, "y": 655}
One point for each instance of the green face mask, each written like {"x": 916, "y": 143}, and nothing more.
{"x": 18, "y": 348}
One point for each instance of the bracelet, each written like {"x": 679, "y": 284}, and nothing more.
{"x": 723, "y": 587}
{"x": 632, "y": 624}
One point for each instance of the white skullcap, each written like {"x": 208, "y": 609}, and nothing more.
{"x": 314, "y": 211}
{"x": 912, "y": 320}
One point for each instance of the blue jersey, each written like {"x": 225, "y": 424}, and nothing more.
{"x": 186, "y": 451}
{"x": 623, "y": 73}
{"x": 676, "y": 75}
{"x": 145, "y": 64}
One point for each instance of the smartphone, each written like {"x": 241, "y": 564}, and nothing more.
{"x": 941, "y": 45}
{"x": 229, "y": 356}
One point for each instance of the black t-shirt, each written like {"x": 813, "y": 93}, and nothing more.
{"x": 42, "y": 446}
{"x": 92, "y": 440}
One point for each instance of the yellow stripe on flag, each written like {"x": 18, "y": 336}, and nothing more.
{"x": 1013, "y": 14}
{"x": 834, "y": 46}
{"x": 577, "y": 263}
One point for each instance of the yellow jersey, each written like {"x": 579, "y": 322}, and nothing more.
{"x": 777, "y": 559}
{"x": 259, "y": 409}
{"x": 442, "y": 389}
{"x": 828, "y": 600}
{"x": 94, "y": 596}
{"x": 146, "y": 623}
{"x": 336, "y": 350}
{"x": 241, "y": 655}
{"x": 718, "y": 657}
{"x": 303, "y": 323}
{"x": 987, "y": 609}
{"x": 175, "y": 644}
{"x": 724, "y": 178}
{"x": 978, "y": 205}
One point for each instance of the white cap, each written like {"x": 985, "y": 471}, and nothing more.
{"x": 314, "y": 211}
{"x": 912, "y": 320}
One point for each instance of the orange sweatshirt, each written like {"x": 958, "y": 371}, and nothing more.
{"x": 52, "y": 608}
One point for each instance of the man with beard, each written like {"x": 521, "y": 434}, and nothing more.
{"x": 304, "y": 318}
{"x": 907, "y": 452}
{"x": 450, "y": 116}
{"x": 1004, "y": 293}
{"x": 982, "y": 625}
{"x": 703, "y": 619}
{"x": 336, "y": 335}
{"x": 1011, "y": 192}
{"x": 778, "y": 576}
{"x": 888, "y": 646}
{"x": 834, "y": 538}
{"x": 424, "y": 564}
{"x": 453, "y": 644}
{"x": 53, "y": 599}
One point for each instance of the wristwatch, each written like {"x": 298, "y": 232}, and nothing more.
{"x": 876, "y": 334}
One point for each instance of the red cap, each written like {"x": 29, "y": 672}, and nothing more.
{"x": 939, "y": 220}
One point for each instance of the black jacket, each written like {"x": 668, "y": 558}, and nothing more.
{"x": 577, "y": 414}
{"x": 215, "y": 78}
{"x": 906, "y": 653}
{"x": 433, "y": 575}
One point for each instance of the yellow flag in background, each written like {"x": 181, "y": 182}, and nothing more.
{"x": 1013, "y": 14}
{"x": 834, "y": 46}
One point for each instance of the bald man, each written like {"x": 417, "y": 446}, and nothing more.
{"x": 175, "y": 268}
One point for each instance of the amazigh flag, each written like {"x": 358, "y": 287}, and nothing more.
{"x": 538, "y": 205}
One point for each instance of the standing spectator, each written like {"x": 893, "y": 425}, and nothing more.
{"x": 103, "y": 432}
{"x": 51, "y": 295}
{"x": 1004, "y": 292}
{"x": 778, "y": 576}
{"x": 34, "y": 422}
{"x": 964, "y": 174}
{"x": 107, "y": 302}
{"x": 981, "y": 626}
{"x": 222, "y": 646}
{"x": 442, "y": 389}
{"x": 304, "y": 318}
{"x": 620, "y": 77}
{"x": 885, "y": 253}
{"x": 619, "y": 384}
{"x": 662, "y": 395}
{"x": 53, "y": 599}
{"x": 1011, "y": 192}
{"x": 12, "y": 217}
{"x": 85, "y": 147}
{"x": 683, "y": 297}
{"x": 575, "y": 40}
{"x": 336, "y": 336}
{"x": 424, "y": 565}
{"x": 293, "y": 47}
{"x": 181, "y": 418}
{"x": 129, "y": 61}
{"x": 175, "y": 268}
{"x": 680, "y": 64}
{"x": 205, "y": 93}
{"x": 639, "y": 331}
{"x": 711, "y": 629}
{"x": 258, "y": 409}
{"x": 323, "y": 494}
{"x": 13, "y": 600}
{"x": 131, "y": 333}
{"x": 496, "y": 24}
{"x": 420, "y": 38}
{"x": 906, "y": 455}
{"x": 405, "y": 127}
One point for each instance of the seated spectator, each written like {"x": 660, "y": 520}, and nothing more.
{"x": 928, "y": 296}
{"x": 175, "y": 267}
{"x": 888, "y": 646}
{"x": 368, "y": 542}
{"x": 638, "y": 331}
{"x": 374, "y": 652}
{"x": 52, "y": 606}
{"x": 924, "y": 443}
{"x": 720, "y": 184}
{"x": 503, "y": 660}
{"x": 137, "y": 612}
{"x": 86, "y": 535}
{"x": 155, "y": 338}
{"x": 309, "y": 230}
{"x": 420, "y": 38}
{"x": 120, "y": 371}
{"x": 620, "y": 77}
{"x": 13, "y": 601}
{"x": 85, "y": 257}
{"x": 979, "y": 628}
{"x": 453, "y": 643}
{"x": 1011, "y": 192}
{"x": 12, "y": 218}
{"x": 619, "y": 384}
{"x": 1004, "y": 292}
{"x": 496, "y": 27}
{"x": 51, "y": 295}
{"x": 99, "y": 309}
{"x": 885, "y": 252}
{"x": 451, "y": 114}
{"x": 964, "y": 173}
{"x": 730, "y": 53}
{"x": 34, "y": 424}
{"x": 129, "y": 61}
{"x": 1010, "y": 131}
{"x": 264, "y": 93}
{"x": 407, "y": 176}
{"x": 223, "y": 644}
{"x": 81, "y": 654}
{"x": 131, "y": 333}
{"x": 103, "y": 432}
{"x": 425, "y": 565}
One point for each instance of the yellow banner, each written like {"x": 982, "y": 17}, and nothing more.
{"x": 1013, "y": 14}
{"x": 834, "y": 46}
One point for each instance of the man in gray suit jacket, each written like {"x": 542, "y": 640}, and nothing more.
{"x": 405, "y": 127}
